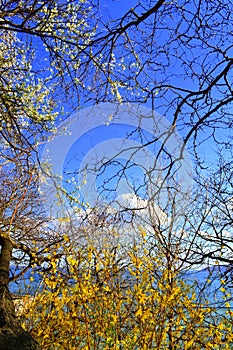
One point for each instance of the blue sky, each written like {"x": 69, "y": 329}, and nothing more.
{"x": 81, "y": 153}
{"x": 100, "y": 134}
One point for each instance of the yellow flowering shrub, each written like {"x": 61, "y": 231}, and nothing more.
{"x": 91, "y": 300}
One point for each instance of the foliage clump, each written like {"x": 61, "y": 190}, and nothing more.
{"x": 91, "y": 300}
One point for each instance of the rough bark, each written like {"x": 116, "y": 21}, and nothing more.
{"x": 12, "y": 336}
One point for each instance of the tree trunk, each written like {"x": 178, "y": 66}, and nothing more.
{"x": 12, "y": 336}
